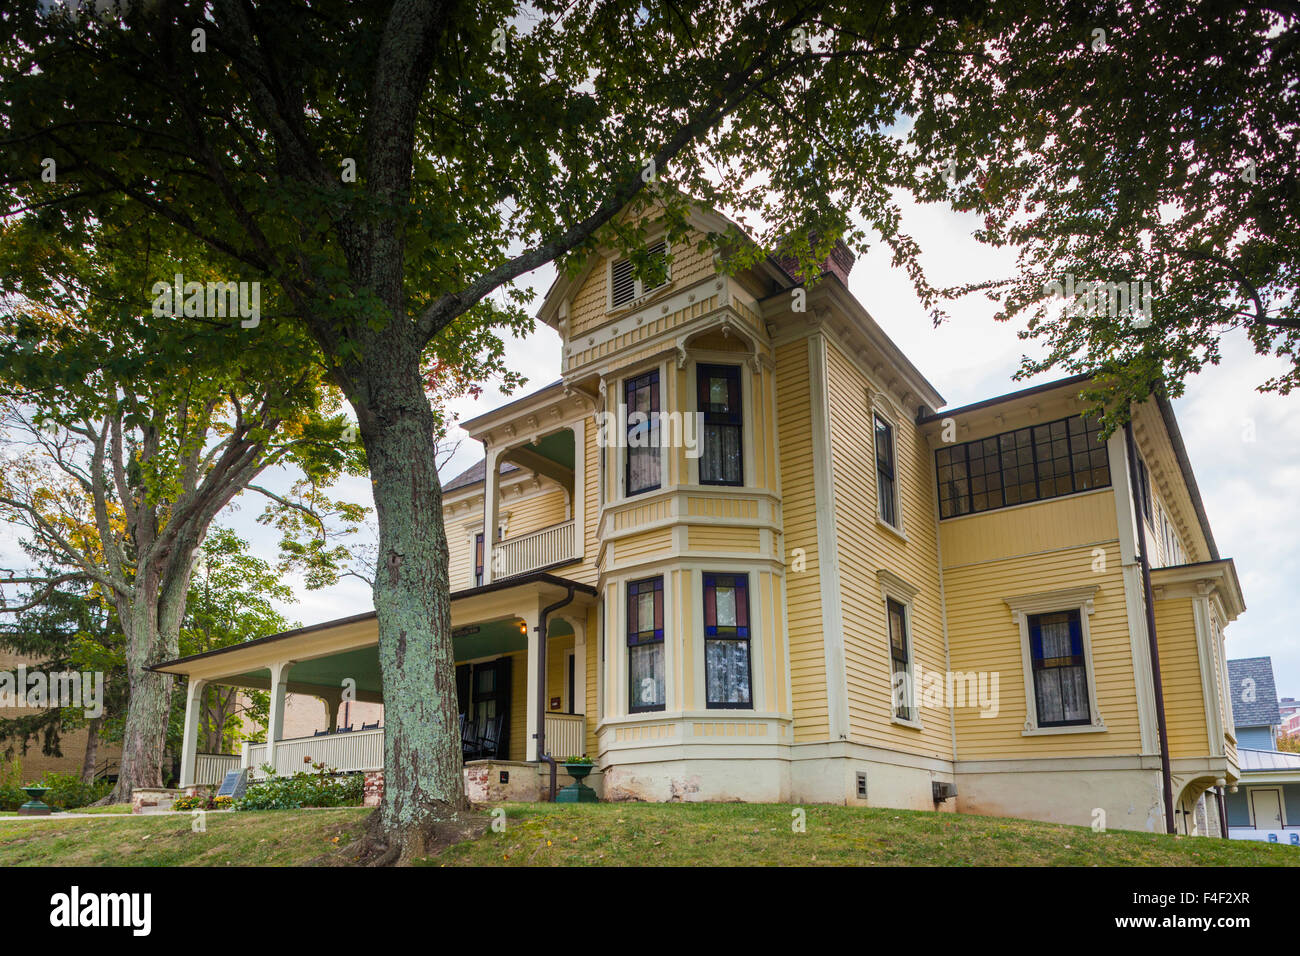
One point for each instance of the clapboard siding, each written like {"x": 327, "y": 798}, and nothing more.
{"x": 983, "y": 636}
{"x": 865, "y": 547}
{"x": 1180, "y": 676}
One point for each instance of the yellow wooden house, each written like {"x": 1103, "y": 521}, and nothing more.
{"x": 740, "y": 551}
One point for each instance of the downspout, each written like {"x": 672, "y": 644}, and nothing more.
{"x": 1166, "y": 778}
{"x": 1223, "y": 814}
{"x": 541, "y": 686}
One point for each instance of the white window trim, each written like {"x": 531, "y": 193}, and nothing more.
{"x": 877, "y": 411}
{"x": 901, "y": 591}
{"x": 639, "y": 290}
{"x": 1081, "y": 599}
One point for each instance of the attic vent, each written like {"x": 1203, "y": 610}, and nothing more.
{"x": 623, "y": 288}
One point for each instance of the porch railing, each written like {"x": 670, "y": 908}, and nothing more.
{"x": 566, "y": 735}
{"x": 354, "y": 750}
{"x": 212, "y": 768}
{"x": 529, "y": 552}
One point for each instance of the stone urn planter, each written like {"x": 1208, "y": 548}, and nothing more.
{"x": 35, "y": 806}
{"x": 577, "y": 792}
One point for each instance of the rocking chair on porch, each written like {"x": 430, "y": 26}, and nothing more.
{"x": 489, "y": 745}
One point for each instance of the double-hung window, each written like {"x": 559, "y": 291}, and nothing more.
{"x": 645, "y": 645}
{"x": 886, "y": 482}
{"x": 718, "y": 393}
{"x": 1059, "y": 668}
{"x": 643, "y": 462}
{"x": 728, "y": 678}
{"x": 478, "y": 559}
{"x": 900, "y": 660}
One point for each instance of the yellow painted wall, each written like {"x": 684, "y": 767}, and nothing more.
{"x": 803, "y": 588}
{"x": 1180, "y": 675}
{"x": 557, "y": 649}
{"x": 1058, "y": 538}
{"x": 534, "y": 510}
{"x": 865, "y": 546}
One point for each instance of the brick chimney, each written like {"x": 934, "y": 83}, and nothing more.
{"x": 839, "y": 263}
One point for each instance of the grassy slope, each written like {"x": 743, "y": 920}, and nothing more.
{"x": 270, "y": 838}
{"x": 754, "y": 834}
{"x": 633, "y": 834}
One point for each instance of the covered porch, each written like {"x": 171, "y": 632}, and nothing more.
{"x": 515, "y": 688}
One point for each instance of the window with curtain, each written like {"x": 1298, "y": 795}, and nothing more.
{"x": 900, "y": 660}
{"x": 1060, "y": 671}
{"x": 722, "y": 455}
{"x": 645, "y": 645}
{"x": 641, "y": 395}
{"x": 886, "y": 486}
{"x": 727, "y": 674}
{"x": 478, "y": 559}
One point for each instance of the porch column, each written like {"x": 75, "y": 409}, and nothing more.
{"x": 275, "y": 718}
{"x": 491, "y": 493}
{"x": 332, "y": 704}
{"x": 190, "y": 737}
{"x": 531, "y": 618}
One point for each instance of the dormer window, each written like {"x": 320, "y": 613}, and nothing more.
{"x": 624, "y": 287}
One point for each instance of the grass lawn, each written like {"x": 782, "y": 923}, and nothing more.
{"x": 264, "y": 838}
{"x": 695, "y": 834}
{"x": 616, "y": 834}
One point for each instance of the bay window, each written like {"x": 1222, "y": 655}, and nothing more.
{"x": 727, "y": 669}
{"x": 643, "y": 460}
{"x": 718, "y": 394}
{"x": 645, "y": 645}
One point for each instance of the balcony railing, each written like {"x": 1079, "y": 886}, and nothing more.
{"x": 541, "y": 549}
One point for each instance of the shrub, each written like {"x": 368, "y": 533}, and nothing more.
{"x": 11, "y": 776}
{"x": 68, "y": 792}
{"x": 324, "y": 788}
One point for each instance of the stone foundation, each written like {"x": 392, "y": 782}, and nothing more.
{"x": 152, "y": 799}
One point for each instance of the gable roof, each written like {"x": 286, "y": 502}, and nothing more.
{"x": 1262, "y": 711}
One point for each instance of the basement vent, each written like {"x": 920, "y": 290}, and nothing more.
{"x": 943, "y": 791}
{"x": 862, "y": 784}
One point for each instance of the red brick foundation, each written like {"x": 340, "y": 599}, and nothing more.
{"x": 373, "y": 790}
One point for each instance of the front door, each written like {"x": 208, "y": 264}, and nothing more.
{"x": 1267, "y": 806}
{"x": 491, "y": 687}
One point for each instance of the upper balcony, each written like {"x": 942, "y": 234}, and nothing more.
{"x": 535, "y": 483}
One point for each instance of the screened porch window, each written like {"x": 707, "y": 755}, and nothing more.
{"x": 718, "y": 392}
{"x": 1059, "y": 668}
{"x": 643, "y": 459}
{"x": 645, "y": 645}
{"x": 726, "y": 641}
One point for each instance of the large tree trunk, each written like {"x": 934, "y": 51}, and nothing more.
{"x": 92, "y": 750}
{"x": 424, "y": 791}
{"x": 150, "y": 693}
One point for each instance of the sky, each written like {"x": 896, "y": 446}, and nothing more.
{"x": 1244, "y": 446}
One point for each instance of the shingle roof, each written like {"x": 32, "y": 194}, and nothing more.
{"x": 474, "y": 474}
{"x": 1262, "y": 710}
